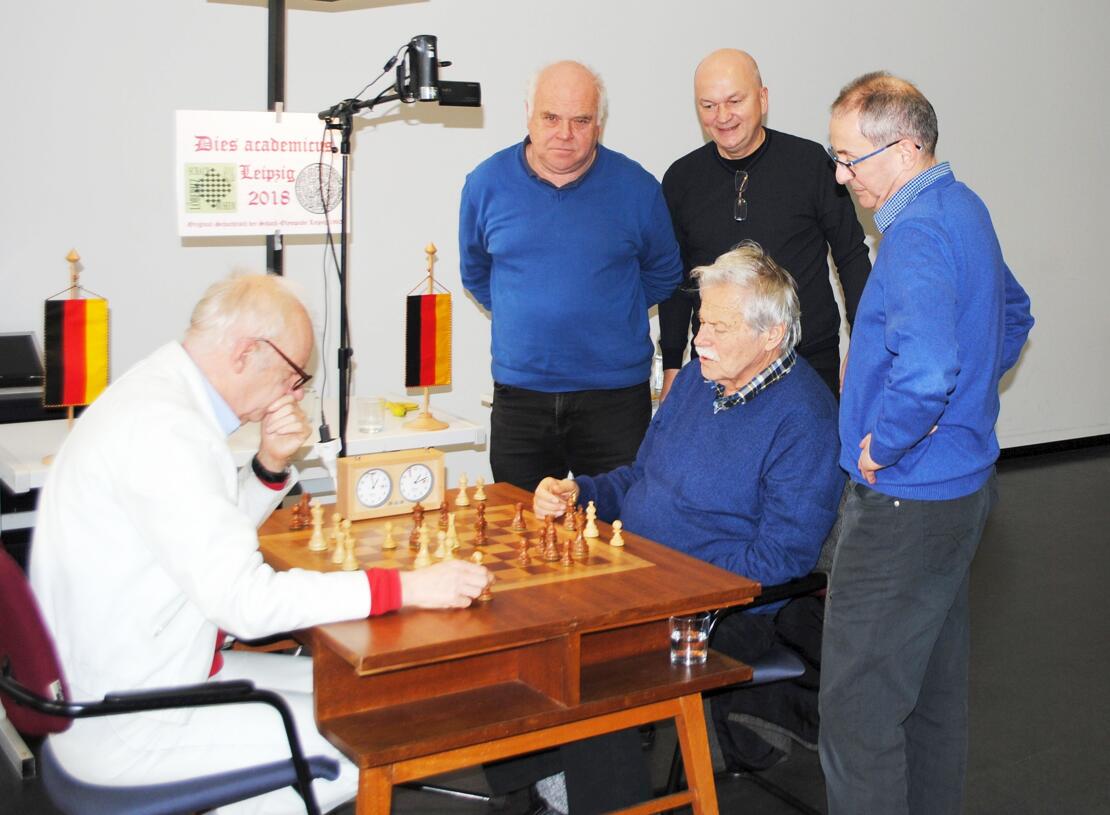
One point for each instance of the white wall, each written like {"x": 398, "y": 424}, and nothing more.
{"x": 90, "y": 88}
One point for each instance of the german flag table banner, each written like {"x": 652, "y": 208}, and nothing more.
{"x": 427, "y": 340}
{"x": 76, "y": 343}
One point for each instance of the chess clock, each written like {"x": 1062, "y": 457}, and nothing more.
{"x": 382, "y": 484}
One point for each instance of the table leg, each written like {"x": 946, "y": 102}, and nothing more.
{"x": 694, "y": 741}
{"x": 375, "y": 791}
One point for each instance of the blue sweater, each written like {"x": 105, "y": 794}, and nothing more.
{"x": 753, "y": 489}
{"x": 568, "y": 273}
{"x": 941, "y": 319}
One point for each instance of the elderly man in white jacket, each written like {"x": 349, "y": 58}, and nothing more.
{"x": 146, "y": 548}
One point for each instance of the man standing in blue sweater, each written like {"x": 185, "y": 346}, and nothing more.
{"x": 568, "y": 244}
{"x": 940, "y": 320}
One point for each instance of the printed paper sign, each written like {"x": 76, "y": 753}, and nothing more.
{"x": 241, "y": 173}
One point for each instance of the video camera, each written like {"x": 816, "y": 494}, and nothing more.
{"x": 418, "y": 77}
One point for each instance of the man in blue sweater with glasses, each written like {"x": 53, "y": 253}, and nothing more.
{"x": 940, "y": 320}
{"x": 567, "y": 244}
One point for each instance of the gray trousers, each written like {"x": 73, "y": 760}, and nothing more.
{"x": 894, "y": 659}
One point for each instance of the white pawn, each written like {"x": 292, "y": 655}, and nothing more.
{"x": 591, "y": 521}
{"x": 462, "y": 499}
{"x": 350, "y": 562}
{"x": 441, "y": 545}
{"x": 452, "y": 535}
{"x": 389, "y": 543}
{"x": 479, "y": 489}
{"x": 617, "y": 540}
{"x": 317, "y": 543}
{"x": 423, "y": 558}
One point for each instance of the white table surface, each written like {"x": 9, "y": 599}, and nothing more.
{"x": 24, "y": 445}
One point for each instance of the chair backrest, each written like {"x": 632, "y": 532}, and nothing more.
{"x": 27, "y": 650}
{"x": 828, "y": 548}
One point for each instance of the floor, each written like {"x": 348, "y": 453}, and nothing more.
{"x": 1040, "y": 740}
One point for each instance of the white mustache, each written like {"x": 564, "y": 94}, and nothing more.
{"x": 707, "y": 353}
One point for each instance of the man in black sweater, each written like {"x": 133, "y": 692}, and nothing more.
{"x": 754, "y": 183}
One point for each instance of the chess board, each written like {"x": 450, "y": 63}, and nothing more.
{"x": 499, "y": 554}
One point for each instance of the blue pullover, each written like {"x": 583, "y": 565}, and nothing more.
{"x": 940, "y": 320}
{"x": 567, "y": 273}
{"x": 752, "y": 489}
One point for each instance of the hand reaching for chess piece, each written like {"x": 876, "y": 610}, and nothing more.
{"x": 552, "y": 495}
{"x": 447, "y": 584}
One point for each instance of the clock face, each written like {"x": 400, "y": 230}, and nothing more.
{"x": 373, "y": 488}
{"x": 416, "y": 482}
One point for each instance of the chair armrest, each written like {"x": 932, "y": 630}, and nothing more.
{"x": 798, "y": 587}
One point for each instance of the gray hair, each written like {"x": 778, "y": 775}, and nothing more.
{"x": 244, "y": 305}
{"x": 774, "y": 296}
{"x": 599, "y": 87}
{"x": 889, "y": 109}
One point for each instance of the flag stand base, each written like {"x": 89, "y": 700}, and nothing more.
{"x": 425, "y": 421}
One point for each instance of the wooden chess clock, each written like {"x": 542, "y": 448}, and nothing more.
{"x": 381, "y": 484}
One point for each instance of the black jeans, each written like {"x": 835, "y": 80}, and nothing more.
{"x": 535, "y": 434}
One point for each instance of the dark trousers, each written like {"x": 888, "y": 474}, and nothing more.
{"x": 535, "y": 434}
{"x": 790, "y": 704}
{"x": 895, "y": 656}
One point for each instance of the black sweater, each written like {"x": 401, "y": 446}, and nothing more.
{"x": 796, "y": 212}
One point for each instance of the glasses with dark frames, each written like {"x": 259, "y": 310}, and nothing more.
{"x": 302, "y": 375}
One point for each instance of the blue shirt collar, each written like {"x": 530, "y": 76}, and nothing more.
{"x": 528, "y": 167}
{"x": 225, "y": 416}
{"x": 910, "y": 190}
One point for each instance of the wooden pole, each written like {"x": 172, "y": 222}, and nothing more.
{"x": 425, "y": 420}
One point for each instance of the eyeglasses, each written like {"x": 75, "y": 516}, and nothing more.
{"x": 302, "y": 375}
{"x": 848, "y": 165}
{"x": 740, "y": 205}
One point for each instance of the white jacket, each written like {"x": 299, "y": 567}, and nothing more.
{"x": 147, "y": 542}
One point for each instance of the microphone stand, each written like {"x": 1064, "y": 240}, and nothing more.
{"x": 340, "y": 116}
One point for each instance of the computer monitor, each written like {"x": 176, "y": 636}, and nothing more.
{"x": 20, "y": 361}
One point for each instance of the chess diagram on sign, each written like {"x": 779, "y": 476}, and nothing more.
{"x": 543, "y": 552}
{"x": 210, "y": 188}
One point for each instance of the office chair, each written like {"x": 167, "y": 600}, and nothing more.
{"x": 33, "y": 691}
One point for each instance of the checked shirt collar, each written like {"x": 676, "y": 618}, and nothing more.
{"x": 760, "y": 382}
{"x": 910, "y": 190}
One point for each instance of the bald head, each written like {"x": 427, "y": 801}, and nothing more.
{"x": 731, "y": 102}
{"x": 573, "y": 76}
{"x": 730, "y": 61}
{"x": 565, "y": 107}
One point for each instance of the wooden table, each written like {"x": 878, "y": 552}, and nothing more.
{"x": 419, "y": 693}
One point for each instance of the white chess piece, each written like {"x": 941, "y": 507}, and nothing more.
{"x": 479, "y": 489}
{"x": 462, "y": 499}
{"x": 617, "y": 539}
{"x": 317, "y": 543}
{"x": 591, "y": 521}
{"x": 389, "y": 543}
{"x": 423, "y": 557}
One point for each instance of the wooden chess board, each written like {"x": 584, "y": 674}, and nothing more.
{"x": 289, "y": 549}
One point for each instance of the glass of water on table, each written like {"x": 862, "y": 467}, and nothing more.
{"x": 690, "y": 639}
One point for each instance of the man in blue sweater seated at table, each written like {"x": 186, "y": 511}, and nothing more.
{"x": 739, "y": 466}
{"x": 567, "y": 244}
